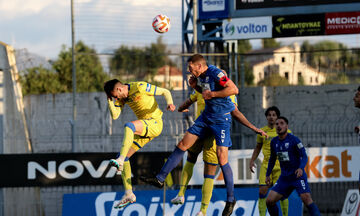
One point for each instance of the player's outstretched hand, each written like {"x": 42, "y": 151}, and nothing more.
{"x": 192, "y": 81}
{"x": 268, "y": 180}
{"x": 298, "y": 173}
{"x": 207, "y": 94}
{"x": 252, "y": 166}
{"x": 262, "y": 133}
{"x": 171, "y": 107}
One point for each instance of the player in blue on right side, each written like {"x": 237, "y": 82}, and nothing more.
{"x": 292, "y": 157}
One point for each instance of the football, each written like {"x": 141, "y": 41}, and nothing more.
{"x": 161, "y": 23}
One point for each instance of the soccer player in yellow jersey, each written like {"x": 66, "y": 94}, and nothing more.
{"x": 208, "y": 145}
{"x": 140, "y": 96}
{"x": 263, "y": 144}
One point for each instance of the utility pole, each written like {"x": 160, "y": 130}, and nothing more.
{"x": 73, "y": 121}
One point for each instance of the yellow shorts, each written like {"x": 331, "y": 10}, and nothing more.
{"x": 275, "y": 174}
{"x": 208, "y": 146}
{"x": 151, "y": 129}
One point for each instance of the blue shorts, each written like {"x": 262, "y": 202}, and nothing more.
{"x": 286, "y": 185}
{"x": 220, "y": 129}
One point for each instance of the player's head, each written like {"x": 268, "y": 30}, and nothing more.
{"x": 197, "y": 64}
{"x": 114, "y": 88}
{"x": 357, "y": 98}
{"x": 272, "y": 113}
{"x": 281, "y": 125}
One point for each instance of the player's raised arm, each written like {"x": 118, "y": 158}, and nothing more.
{"x": 110, "y": 88}
{"x": 155, "y": 90}
{"x": 115, "y": 108}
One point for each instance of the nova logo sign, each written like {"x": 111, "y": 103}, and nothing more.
{"x": 69, "y": 169}
{"x": 246, "y": 28}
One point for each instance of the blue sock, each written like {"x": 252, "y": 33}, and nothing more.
{"x": 170, "y": 164}
{"x": 229, "y": 181}
{"x": 313, "y": 210}
{"x": 273, "y": 210}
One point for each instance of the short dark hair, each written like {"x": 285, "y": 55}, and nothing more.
{"x": 196, "y": 58}
{"x": 110, "y": 85}
{"x": 283, "y": 118}
{"x": 359, "y": 88}
{"x": 273, "y": 108}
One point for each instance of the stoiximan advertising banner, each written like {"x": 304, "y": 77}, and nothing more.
{"x": 298, "y": 25}
{"x": 151, "y": 203}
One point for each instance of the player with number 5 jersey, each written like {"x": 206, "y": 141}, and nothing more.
{"x": 215, "y": 88}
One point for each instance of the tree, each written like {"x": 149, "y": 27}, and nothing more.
{"x": 339, "y": 78}
{"x": 90, "y": 76}
{"x": 89, "y": 73}
{"x": 270, "y": 43}
{"x": 39, "y": 80}
{"x": 244, "y": 46}
{"x": 141, "y": 63}
{"x": 329, "y": 55}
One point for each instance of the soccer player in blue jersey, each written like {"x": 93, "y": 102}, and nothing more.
{"x": 292, "y": 156}
{"x": 216, "y": 88}
{"x": 208, "y": 146}
{"x": 357, "y": 128}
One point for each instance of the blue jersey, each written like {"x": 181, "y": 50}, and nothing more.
{"x": 215, "y": 108}
{"x": 290, "y": 153}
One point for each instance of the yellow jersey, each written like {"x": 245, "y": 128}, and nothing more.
{"x": 196, "y": 96}
{"x": 266, "y": 141}
{"x": 142, "y": 101}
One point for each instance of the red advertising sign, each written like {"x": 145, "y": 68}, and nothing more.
{"x": 342, "y": 23}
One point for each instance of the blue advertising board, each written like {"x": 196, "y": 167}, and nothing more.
{"x": 213, "y": 9}
{"x": 150, "y": 203}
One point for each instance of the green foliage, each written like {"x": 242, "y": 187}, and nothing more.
{"x": 39, "y": 80}
{"x": 244, "y": 46}
{"x": 274, "y": 80}
{"x": 330, "y": 55}
{"x": 90, "y": 76}
{"x": 89, "y": 73}
{"x": 270, "y": 43}
{"x": 139, "y": 63}
{"x": 340, "y": 78}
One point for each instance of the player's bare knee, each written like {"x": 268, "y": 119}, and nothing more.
{"x": 270, "y": 202}
{"x": 222, "y": 160}
{"x": 306, "y": 198}
{"x": 263, "y": 191}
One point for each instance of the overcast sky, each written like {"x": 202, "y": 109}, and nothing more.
{"x": 43, "y": 26}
